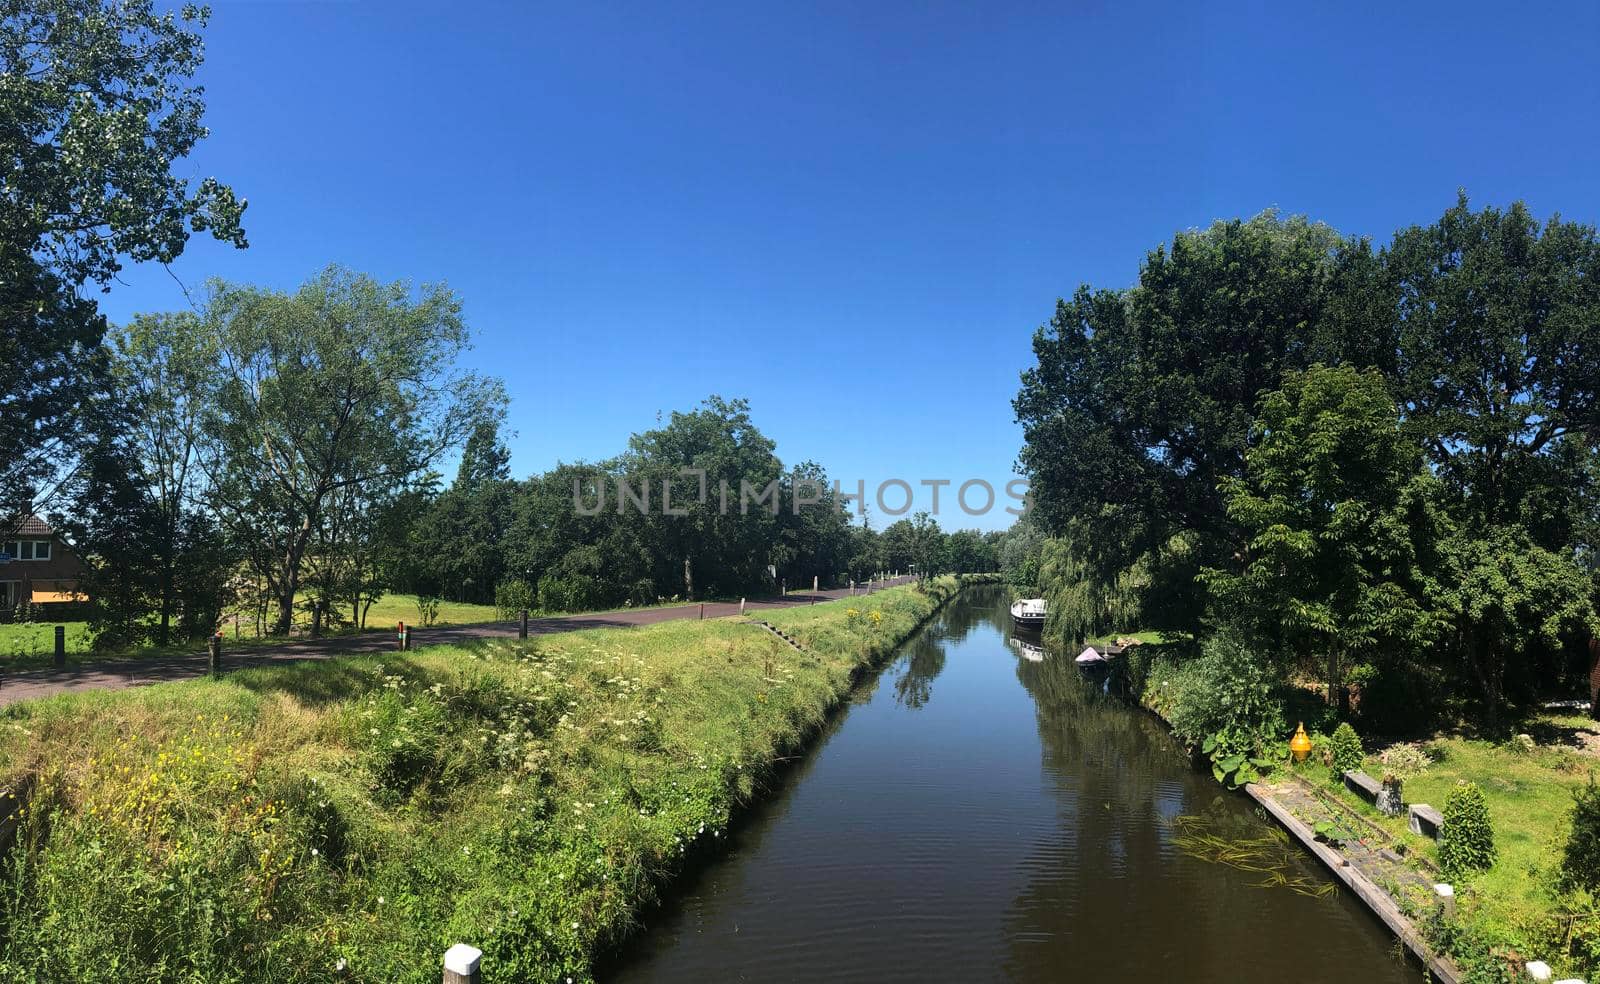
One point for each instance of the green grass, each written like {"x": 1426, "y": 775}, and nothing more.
{"x": 525, "y": 798}
{"x": 1513, "y": 905}
{"x": 35, "y": 643}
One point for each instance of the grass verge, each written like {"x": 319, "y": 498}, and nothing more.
{"x": 528, "y": 799}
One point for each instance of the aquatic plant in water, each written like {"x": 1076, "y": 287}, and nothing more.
{"x": 1270, "y": 854}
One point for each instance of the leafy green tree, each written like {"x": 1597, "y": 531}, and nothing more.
{"x": 344, "y": 384}
{"x": 99, "y": 103}
{"x": 927, "y": 544}
{"x": 1499, "y": 358}
{"x": 52, "y": 376}
{"x": 1505, "y": 596}
{"x": 722, "y": 541}
{"x": 160, "y": 367}
{"x": 1332, "y": 505}
{"x": 966, "y": 552}
{"x": 1141, "y": 401}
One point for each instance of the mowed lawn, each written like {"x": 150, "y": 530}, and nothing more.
{"x": 32, "y": 645}
{"x": 35, "y": 642}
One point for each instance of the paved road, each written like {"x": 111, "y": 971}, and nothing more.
{"x": 119, "y": 674}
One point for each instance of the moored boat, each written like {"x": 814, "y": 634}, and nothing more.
{"x": 1091, "y": 658}
{"x": 1028, "y": 613}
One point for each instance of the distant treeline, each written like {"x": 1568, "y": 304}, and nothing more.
{"x": 545, "y": 541}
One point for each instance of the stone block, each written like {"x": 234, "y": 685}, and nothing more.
{"x": 1426, "y": 820}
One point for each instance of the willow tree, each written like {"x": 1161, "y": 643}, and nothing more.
{"x": 345, "y": 385}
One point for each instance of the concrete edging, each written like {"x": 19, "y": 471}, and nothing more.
{"x": 1369, "y": 892}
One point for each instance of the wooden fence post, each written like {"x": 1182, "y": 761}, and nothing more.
{"x": 316, "y": 619}
{"x": 522, "y": 633}
{"x": 461, "y": 965}
{"x": 702, "y": 610}
{"x": 216, "y": 653}
{"x": 61, "y": 647}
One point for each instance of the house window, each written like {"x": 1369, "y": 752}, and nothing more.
{"x": 28, "y": 549}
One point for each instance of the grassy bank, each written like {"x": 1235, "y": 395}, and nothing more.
{"x": 1513, "y": 912}
{"x": 527, "y": 799}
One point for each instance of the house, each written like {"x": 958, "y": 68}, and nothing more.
{"x": 37, "y": 566}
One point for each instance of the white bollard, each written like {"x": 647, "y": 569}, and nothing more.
{"x": 1446, "y": 896}
{"x": 741, "y": 606}
{"x": 461, "y": 965}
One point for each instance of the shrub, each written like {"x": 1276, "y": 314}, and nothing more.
{"x": 1466, "y": 838}
{"x": 427, "y": 609}
{"x": 1580, "y": 863}
{"x": 512, "y": 597}
{"x": 1403, "y": 762}
{"x": 1229, "y": 694}
{"x": 569, "y": 593}
{"x": 1346, "y": 751}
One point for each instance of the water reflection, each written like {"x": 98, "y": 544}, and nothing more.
{"x": 1018, "y": 828}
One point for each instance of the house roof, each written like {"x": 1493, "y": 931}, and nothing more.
{"x": 33, "y": 526}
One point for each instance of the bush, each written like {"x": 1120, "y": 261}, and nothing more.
{"x": 1229, "y": 694}
{"x": 569, "y": 593}
{"x": 512, "y": 597}
{"x": 1403, "y": 762}
{"x": 1580, "y": 863}
{"x": 1346, "y": 751}
{"x": 1466, "y": 838}
{"x": 428, "y": 609}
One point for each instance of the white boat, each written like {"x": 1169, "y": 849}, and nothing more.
{"x": 1028, "y": 613}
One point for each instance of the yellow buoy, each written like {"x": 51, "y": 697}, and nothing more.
{"x": 1300, "y": 744}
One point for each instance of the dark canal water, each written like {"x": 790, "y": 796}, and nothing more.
{"x": 976, "y": 815}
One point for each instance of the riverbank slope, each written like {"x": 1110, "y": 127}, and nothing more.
{"x": 348, "y": 819}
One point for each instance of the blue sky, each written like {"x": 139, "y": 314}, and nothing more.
{"x": 855, "y": 215}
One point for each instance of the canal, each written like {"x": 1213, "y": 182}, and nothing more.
{"x": 980, "y": 814}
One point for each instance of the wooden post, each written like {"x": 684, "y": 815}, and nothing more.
{"x": 522, "y": 633}
{"x": 1594, "y": 679}
{"x": 61, "y": 647}
{"x": 316, "y": 619}
{"x": 702, "y": 610}
{"x": 216, "y": 653}
{"x": 461, "y": 965}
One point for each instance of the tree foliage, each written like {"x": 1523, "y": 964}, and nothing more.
{"x": 1374, "y": 457}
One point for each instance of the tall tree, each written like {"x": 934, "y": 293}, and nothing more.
{"x": 1141, "y": 401}
{"x": 347, "y": 383}
{"x": 1336, "y": 509}
{"x": 98, "y": 103}
{"x": 160, "y": 369}
{"x": 1499, "y": 332}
